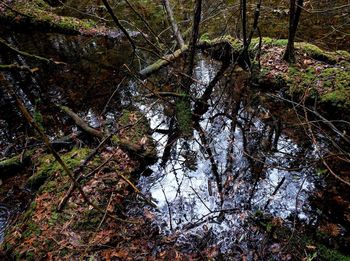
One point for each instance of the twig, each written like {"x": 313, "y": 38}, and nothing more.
{"x": 104, "y": 216}
{"x": 36, "y": 57}
{"x": 137, "y": 190}
{"x": 119, "y": 25}
{"x": 275, "y": 192}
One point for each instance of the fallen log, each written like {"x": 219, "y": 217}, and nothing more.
{"x": 12, "y": 166}
{"x": 222, "y": 48}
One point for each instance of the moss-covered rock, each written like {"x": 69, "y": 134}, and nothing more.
{"x": 330, "y": 84}
{"x": 317, "y": 53}
{"x": 47, "y": 166}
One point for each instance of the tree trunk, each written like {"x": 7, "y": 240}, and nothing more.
{"x": 173, "y": 24}
{"x": 245, "y": 54}
{"x": 295, "y": 12}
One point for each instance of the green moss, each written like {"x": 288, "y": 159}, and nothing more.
{"x": 136, "y": 125}
{"x": 39, "y": 13}
{"x": 336, "y": 82}
{"x": 15, "y": 164}
{"x": 269, "y": 41}
{"x": 55, "y": 217}
{"x": 29, "y": 212}
{"x": 184, "y": 116}
{"x": 32, "y": 230}
{"x": 47, "y": 166}
{"x": 90, "y": 219}
{"x": 322, "y": 55}
{"x": 325, "y": 253}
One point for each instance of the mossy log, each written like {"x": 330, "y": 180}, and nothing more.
{"x": 39, "y": 15}
{"x": 14, "y": 165}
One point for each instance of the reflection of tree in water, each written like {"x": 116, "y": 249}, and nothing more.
{"x": 238, "y": 160}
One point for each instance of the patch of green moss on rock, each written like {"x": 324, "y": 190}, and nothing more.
{"x": 48, "y": 166}
{"x": 331, "y": 85}
{"x": 322, "y": 55}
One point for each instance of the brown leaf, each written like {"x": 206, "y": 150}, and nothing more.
{"x": 148, "y": 214}
{"x": 311, "y": 247}
{"x": 330, "y": 229}
{"x": 35, "y": 69}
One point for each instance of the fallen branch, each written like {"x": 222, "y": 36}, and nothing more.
{"x": 15, "y": 67}
{"x": 32, "y": 56}
{"x": 164, "y": 61}
{"x": 81, "y": 123}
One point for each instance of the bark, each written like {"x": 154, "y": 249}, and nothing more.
{"x": 245, "y": 55}
{"x": 81, "y": 123}
{"x": 194, "y": 40}
{"x": 119, "y": 25}
{"x": 295, "y": 12}
{"x": 173, "y": 23}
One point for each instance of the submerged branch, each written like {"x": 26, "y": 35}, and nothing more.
{"x": 32, "y": 56}
{"x": 81, "y": 123}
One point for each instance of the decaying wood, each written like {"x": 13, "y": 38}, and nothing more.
{"x": 164, "y": 61}
{"x": 81, "y": 123}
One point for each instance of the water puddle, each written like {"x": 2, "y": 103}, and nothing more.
{"x": 4, "y": 220}
{"x": 236, "y": 164}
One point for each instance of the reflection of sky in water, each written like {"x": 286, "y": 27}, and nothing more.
{"x": 188, "y": 197}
